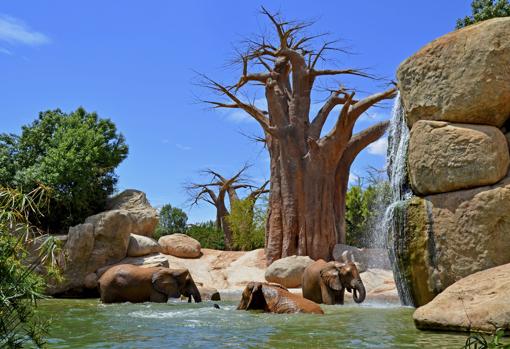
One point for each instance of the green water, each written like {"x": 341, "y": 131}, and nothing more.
{"x": 90, "y": 324}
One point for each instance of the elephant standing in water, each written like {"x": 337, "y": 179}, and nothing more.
{"x": 274, "y": 298}
{"x": 326, "y": 282}
{"x": 130, "y": 283}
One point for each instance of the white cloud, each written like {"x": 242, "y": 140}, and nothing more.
{"x": 183, "y": 147}
{"x": 379, "y": 147}
{"x": 15, "y": 31}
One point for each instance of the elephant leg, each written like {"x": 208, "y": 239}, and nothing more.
{"x": 328, "y": 296}
{"x": 158, "y": 297}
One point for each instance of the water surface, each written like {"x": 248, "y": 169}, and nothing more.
{"x": 90, "y": 324}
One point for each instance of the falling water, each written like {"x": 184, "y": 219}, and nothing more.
{"x": 394, "y": 217}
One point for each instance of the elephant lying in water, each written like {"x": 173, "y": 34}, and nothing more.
{"x": 326, "y": 282}
{"x": 130, "y": 283}
{"x": 274, "y": 298}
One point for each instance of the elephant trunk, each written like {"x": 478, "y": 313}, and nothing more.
{"x": 358, "y": 287}
{"x": 195, "y": 293}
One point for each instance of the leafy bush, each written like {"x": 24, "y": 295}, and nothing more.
{"x": 478, "y": 341}
{"x": 247, "y": 222}
{"x": 483, "y": 10}
{"x": 171, "y": 220}
{"x": 20, "y": 285}
{"x": 75, "y": 154}
{"x": 207, "y": 234}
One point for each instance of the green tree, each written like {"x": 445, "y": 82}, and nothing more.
{"x": 247, "y": 222}
{"x": 207, "y": 234}
{"x": 356, "y": 214}
{"x": 365, "y": 209}
{"x": 20, "y": 285}
{"x": 75, "y": 154}
{"x": 483, "y": 10}
{"x": 171, "y": 220}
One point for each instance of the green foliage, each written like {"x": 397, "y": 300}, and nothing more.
{"x": 364, "y": 210}
{"x": 247, "y": 222}
{"x": 75, "y": 154}
{"x": 20, "y": 285}
{"x": 483, "y": 10}
{"x": 171, "y": 220}
{"x": 478, "y": 341}
{"x": 207, "y": 234}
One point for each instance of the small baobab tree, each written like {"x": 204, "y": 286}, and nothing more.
{"x": 309, "y": 166}
{"x": 216, "y": 190}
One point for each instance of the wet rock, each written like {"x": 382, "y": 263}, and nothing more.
{"x": 449, "y": 236}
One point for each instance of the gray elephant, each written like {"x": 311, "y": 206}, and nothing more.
{"x": 131, "y": 283}
{"x": 326, "y": 282}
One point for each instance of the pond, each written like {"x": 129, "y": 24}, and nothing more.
{"x": 90, "y": 324}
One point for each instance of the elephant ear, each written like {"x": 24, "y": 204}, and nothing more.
{"x": 165, "y": 282}
{"x": 257, "y": 299}
{"x": 330, "y": 276}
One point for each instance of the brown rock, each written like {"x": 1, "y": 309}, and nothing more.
{"x": 461, "y": 77}
{"x": 180, "y": 245}
{"x": 90, "y": 280}
{"x": 477, "y": 302}
{"x": 445, "y": 157}
{"x": 144, "y": 216}
{"x": 140, "y": 245}
{"x": 209, "y": 293}
{"x": 112, "y": 230}
{"x": 288, "y": 271}
{"x": 452, "y": 235}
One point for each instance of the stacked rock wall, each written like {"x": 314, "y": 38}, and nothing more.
{"x": 456, "y": 96}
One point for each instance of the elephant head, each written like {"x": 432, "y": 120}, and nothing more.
{"x": 339, "y": 276}
{"x": 174, "y": 283}
{"x": 253, "y": 297}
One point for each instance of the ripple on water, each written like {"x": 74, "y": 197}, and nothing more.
{"x": 89, "y": 324}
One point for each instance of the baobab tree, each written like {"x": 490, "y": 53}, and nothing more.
{"x": 309, "y": 169}
{"x": 215, "y": 192}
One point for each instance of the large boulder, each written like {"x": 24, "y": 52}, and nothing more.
{"x": 478, "y": 302}
{"x": 140, "y": 245}
{"x": 445, "y": 157}
{"x": 288, "y": 271}
{"x": 112, "y": 230}
{"x": 461, "y": 77}
{"x": 446, "y": 237}
{"x": 180, "y": 245}
{"x": 103, "y": 239}
{"x": 144, "y": 216}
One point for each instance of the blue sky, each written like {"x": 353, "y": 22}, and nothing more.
{"x": 136, "y": 62}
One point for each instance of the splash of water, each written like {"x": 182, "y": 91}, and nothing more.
{"x": 394, "y": 221}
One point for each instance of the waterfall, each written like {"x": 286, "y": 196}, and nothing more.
{"x": 394, "y": 218}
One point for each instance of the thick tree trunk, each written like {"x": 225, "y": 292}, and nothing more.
{"x": 302, "y": 219}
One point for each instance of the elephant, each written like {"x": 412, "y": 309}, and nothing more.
{"x": 274, "y": 298}
{"x": 131, "y": 283}
{"x": 326, "y": 282}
